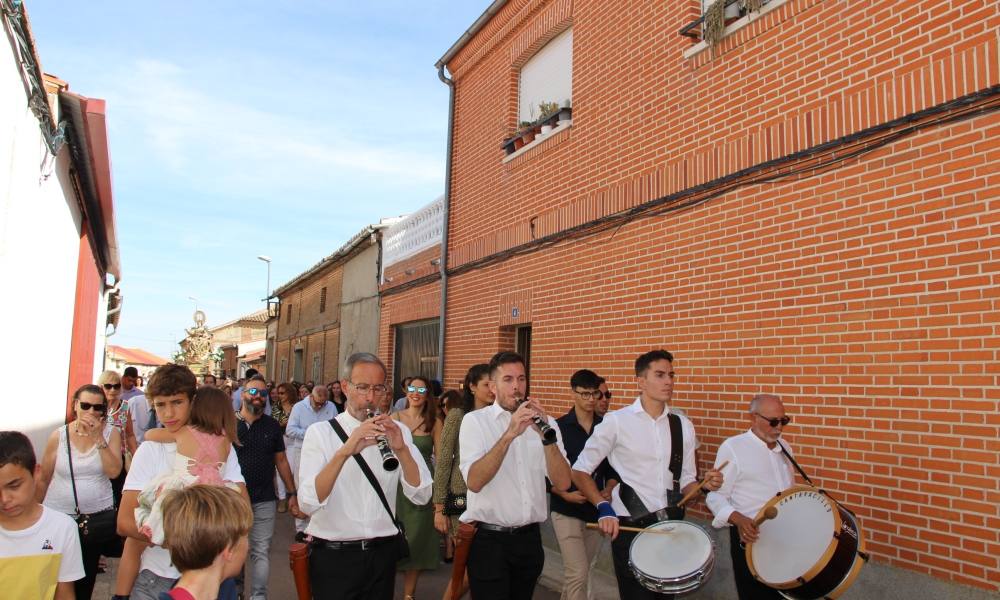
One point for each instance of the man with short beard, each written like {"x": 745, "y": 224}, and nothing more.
{"x": 261, "y": 450}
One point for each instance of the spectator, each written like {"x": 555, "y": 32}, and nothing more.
{"x": 39, "y": 546}
{"x": 129, "y": 381}
{"x": 79, "y": 461}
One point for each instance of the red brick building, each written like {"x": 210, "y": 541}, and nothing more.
{"x": 807, "y": 207}
{"x": 410, "y": 294}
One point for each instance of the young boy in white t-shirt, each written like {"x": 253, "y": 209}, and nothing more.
{"x": 40, "y": 554}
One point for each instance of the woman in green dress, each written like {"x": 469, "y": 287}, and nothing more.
{"x": 420, "y": 417}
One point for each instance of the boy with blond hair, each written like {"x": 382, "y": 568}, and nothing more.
{"x": 206, "y": 528}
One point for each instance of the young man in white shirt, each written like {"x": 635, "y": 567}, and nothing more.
{"x": 638, "y": 442}
{"x": 353, "y": 552}
{"x": 171, "y": 389}
{"x": 505, "y": 465}
{"x": 757, "y": 472}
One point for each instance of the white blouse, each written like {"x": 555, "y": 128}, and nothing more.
{"x": 93, "y": 488}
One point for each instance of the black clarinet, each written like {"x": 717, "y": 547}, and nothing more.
{"x": 389, "y": 460}
{"x": 548, "y": 434}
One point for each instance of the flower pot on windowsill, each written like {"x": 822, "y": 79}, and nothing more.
{"x": 510, "y": 144}
{"x": 527, "y": 136}
{"x": 565, "y": 115}
{"x": 546, "y": 129}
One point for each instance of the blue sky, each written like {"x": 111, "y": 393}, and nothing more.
{"x": 247, "y": 128}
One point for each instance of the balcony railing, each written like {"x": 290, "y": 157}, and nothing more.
{"x": 416, "y": 233}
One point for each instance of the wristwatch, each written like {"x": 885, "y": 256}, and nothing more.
{"x": 102, "y": 445}
{"x": 288, "y": 494}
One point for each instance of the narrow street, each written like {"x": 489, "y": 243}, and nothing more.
{"x": 282, "y": 587}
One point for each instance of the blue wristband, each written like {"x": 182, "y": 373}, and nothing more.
{"x": 604, "y": 510}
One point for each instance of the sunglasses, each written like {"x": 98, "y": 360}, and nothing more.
{"x": 411, "y": 389}
{"x": 256, "y": 392}
{"x": 775, "y": 422}
{"x": 607, "y": 395}
{"x": 95, "y": 407}
{"x": 112, "y": 386}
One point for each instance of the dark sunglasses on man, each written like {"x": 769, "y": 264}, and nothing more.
{"x": 112, "y": 386}
{"x": 257, "y": 392}
{"x": 783, "y": 421}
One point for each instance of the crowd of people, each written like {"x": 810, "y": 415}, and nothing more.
{"x": 183, "y": 482}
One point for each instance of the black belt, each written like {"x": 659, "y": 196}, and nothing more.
{"x": 645, "y": 520}
{"x": 501, "y": 529}
{"x": 353, "y": 544}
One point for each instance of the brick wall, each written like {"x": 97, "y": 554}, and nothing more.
{"x": 316, "y": 333}
{"x": 415, "y": 304}
{"x": 863, "y": 292}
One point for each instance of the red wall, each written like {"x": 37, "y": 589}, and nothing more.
{"x": 89, "y": 288}
{"x": 865, "y": 293}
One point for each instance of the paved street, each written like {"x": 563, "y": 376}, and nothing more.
{"x": 281, "y": 586}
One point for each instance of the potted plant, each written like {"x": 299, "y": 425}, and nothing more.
{"x": 527, "y": 132}
{"x": 565, "y": 113}
{"x": 548, "y": 110}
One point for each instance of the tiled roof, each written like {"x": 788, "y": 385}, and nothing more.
{"x": 135, "y": 356}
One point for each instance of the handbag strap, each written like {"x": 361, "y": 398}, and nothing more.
{"x": 366, "y": 470}
{"x": 72, "y": 478}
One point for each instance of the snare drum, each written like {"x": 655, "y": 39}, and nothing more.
{"x": 813, "y": 548}
{"x": 675, "y": 562}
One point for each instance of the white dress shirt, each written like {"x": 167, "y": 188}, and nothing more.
{"x": 139, "y": 411}
{"x": 353, "y": 510}
{"x": 303, "y": 415}
{"x": 638, "y": 448}
{"x": 755, "y": 474}
{"x": 516, "y": 494}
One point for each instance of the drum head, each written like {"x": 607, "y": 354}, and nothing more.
{"x": 799, "y": 538}
{"x": 685, "y": 550}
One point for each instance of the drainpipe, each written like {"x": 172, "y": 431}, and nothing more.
{"x": 444, "y": 230}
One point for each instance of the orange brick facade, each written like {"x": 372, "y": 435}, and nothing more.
{"x": 857, "y": 275}
{"x": 302, "y": 326}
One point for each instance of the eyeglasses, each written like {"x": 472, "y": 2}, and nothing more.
{"x": 378, "y": 389}
{"x": 112, "y": 386}
{"x": 94, "y": 407}
{"x": 589, "y": 395}
{"x": 775, "y": 422}
{"x": 257, "y": 392}
{"x": 411, "y": 389}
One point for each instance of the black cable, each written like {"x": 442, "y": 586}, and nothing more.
{"x": 704, "y": 192}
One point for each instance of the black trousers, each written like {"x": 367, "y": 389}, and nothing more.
{"x": 747, "y": 587}
{"x": 353, "y": 574}
{"x": 505, "y": 566}
{"x": 628, "y": 587}
{"x": 91, "y": 554}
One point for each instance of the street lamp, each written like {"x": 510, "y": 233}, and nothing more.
{"x": 267, "y": 292}
{"x": 195, "y": 300}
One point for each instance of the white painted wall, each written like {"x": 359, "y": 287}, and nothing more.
{"x": 39, "y": 248}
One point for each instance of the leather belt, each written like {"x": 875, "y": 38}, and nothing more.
{"x": 501, "y": 529}
{"x": 353, "y": 544}
{"x": 645, "y": 520}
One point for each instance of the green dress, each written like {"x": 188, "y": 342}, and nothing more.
{"x": 419, "y": 521}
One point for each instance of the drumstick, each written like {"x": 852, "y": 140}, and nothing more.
{"x": 769, "y": 513}
{"x": 694, "y": 491}
{"x": 633, "y": 529}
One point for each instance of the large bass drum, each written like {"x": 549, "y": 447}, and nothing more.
{"x": 672, "y": 557}
{"x": 813, "y": 548}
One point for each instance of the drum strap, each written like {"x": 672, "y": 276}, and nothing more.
{"x": 795, "y": 464}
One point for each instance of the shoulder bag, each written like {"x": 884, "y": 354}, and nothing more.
{"x": 95, "y": 528}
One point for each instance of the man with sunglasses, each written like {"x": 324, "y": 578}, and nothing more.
{"x": 570, "y": 510}
{"x": 261, "y": 451}
{"x": 757, "y": 471}
{"x": 604, "y": 401}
